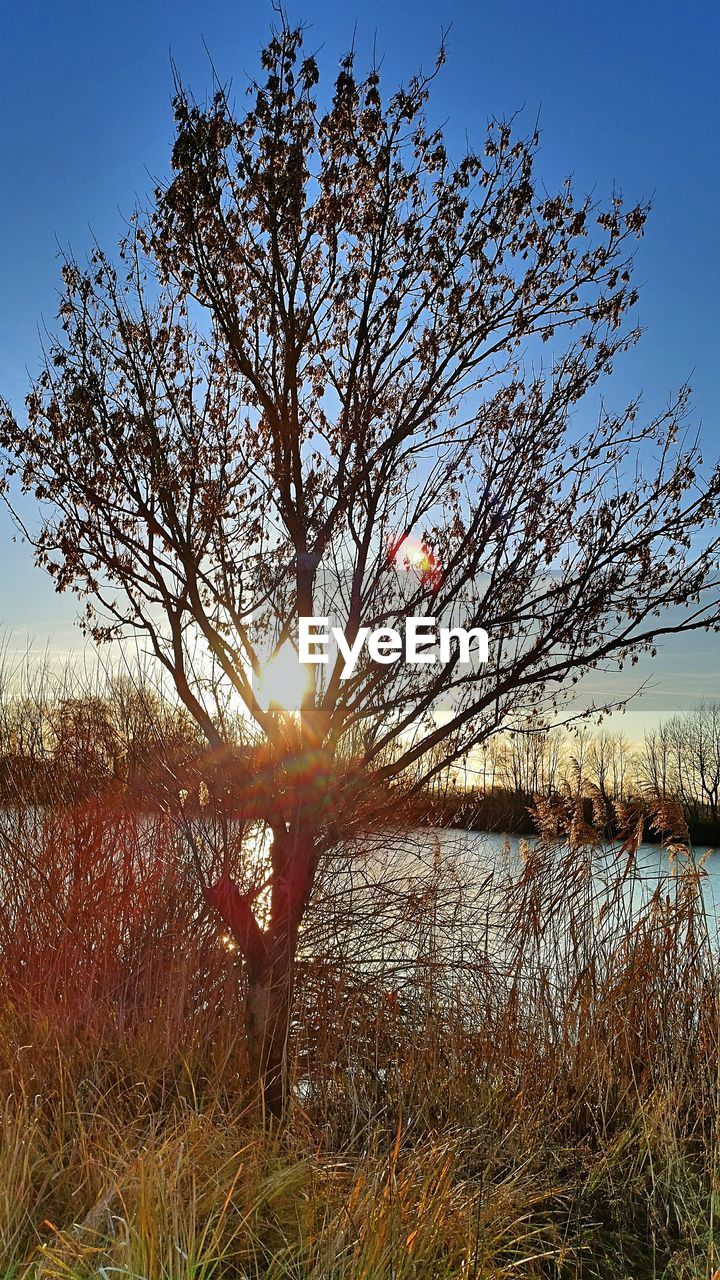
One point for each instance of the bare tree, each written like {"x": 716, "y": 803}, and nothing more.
{"x": 529, "y": 760}
{"x": 653, "y": 765}
{"x": 681, "y": 759}
{"x": 325, "y": 336}
{"x": 609, "y": 761}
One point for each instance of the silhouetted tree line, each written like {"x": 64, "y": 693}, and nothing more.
{"x": 66, "y": 740}
{"x": 496, "y": 790}
{"x": 61, "y": 742}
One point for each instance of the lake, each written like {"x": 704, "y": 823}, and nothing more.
{"x": 460, "y": 900}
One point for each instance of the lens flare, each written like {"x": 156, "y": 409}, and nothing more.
{"x": 412, "y": 555}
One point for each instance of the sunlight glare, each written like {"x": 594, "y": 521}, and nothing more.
{"x": 283, "y": 682}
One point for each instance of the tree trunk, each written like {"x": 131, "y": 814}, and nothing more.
{"x": 268, "y": 1004}
{"x": 269, "y": 956}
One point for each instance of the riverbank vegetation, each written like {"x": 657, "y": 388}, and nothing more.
{"x": 64, "y": 735}
{"x": 503, "y": 1067}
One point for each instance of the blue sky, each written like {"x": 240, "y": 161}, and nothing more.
{"x": 627, "y": 95}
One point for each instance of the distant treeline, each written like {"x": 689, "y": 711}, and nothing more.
{"x": 62, "y": 742}
{"x": 513, "y": 813}
{"x": 606, "y": 775}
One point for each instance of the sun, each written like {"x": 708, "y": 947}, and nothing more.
{"x": 283, "y": 682}
{"x": 411, "y": 554}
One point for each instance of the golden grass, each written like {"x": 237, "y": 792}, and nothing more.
{"x": 545, "y": 1106}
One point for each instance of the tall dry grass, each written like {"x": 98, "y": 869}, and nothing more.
{"x": 503, "y": 1069}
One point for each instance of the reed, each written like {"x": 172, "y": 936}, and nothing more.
{"x": 517, "y": 1077}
